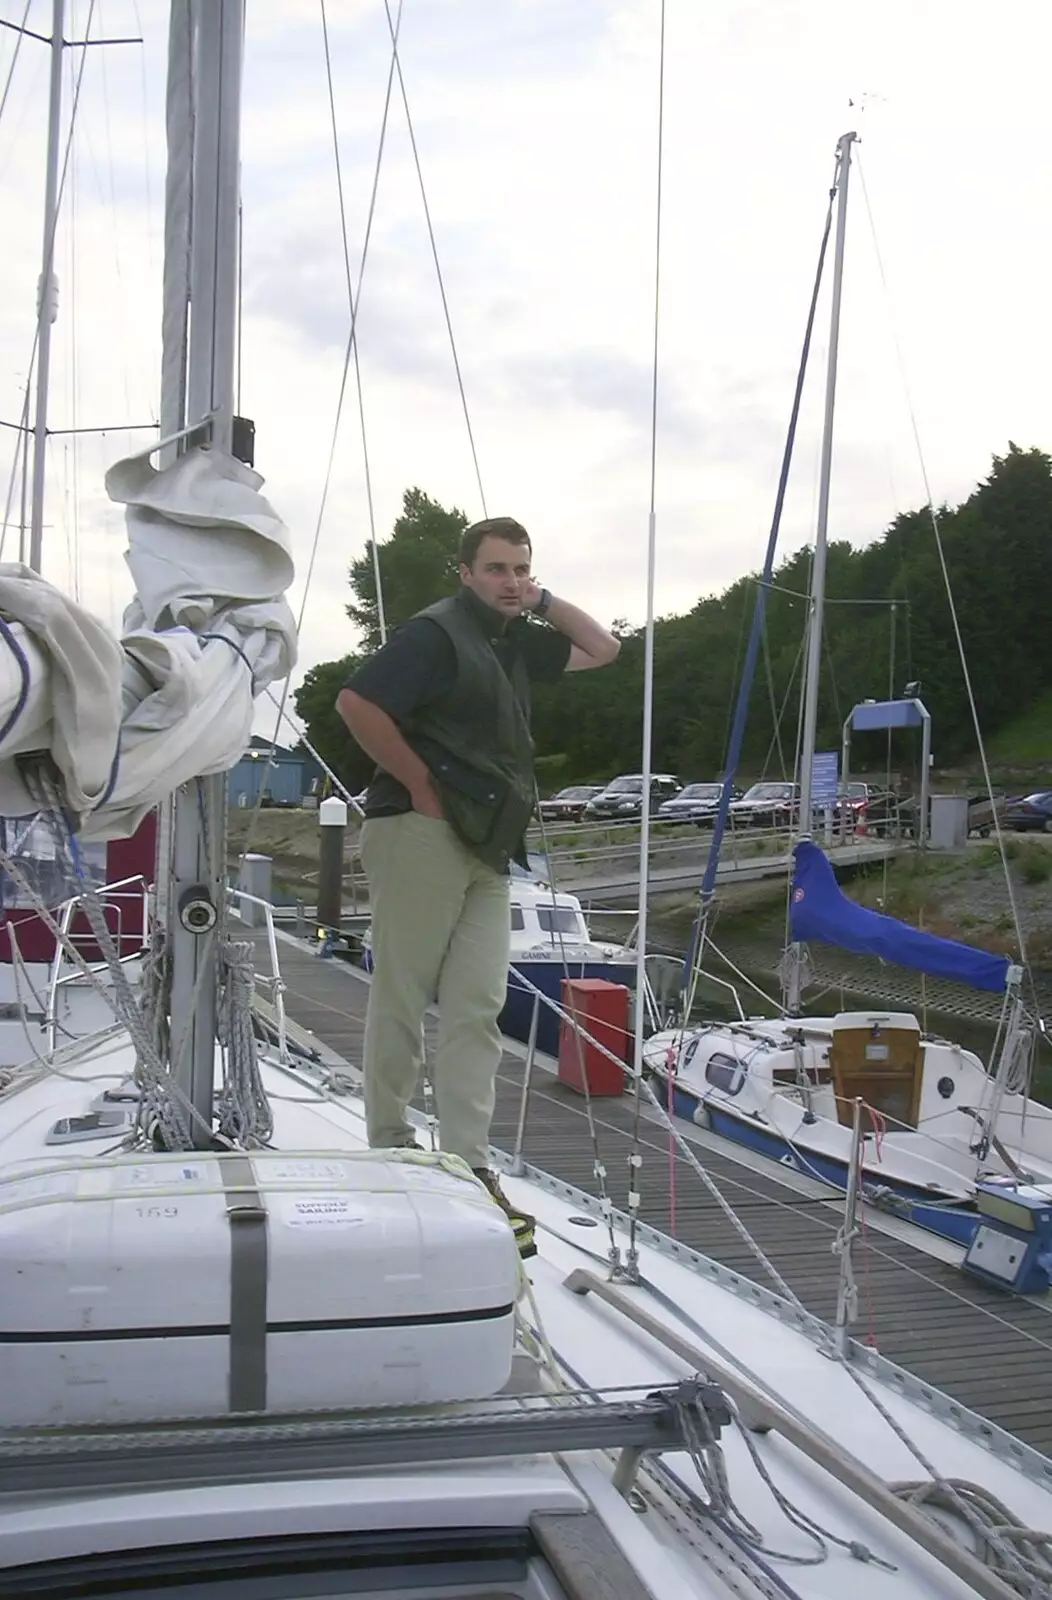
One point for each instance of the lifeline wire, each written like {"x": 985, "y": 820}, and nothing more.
{"x": 1014, "y": 1564}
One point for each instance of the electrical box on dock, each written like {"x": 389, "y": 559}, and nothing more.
{"x": 1012, "y": 1247}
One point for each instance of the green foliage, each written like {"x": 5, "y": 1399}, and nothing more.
{"x": 315, "y": 702}
{"x": 550, "y": 770}
{"x": 418, "y": 565}
{"x": 1036, "y": 865}
{"x": 997, "y": 549}
{"x": 1027, "y": 739}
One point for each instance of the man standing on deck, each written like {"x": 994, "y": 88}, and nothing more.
{"x": 443, "y": 709}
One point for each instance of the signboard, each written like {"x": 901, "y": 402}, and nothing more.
{"x": 825, "y": 777}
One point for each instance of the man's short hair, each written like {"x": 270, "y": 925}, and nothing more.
{"x": 492, "y": 528}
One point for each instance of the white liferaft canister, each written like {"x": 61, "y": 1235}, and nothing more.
{"x": 171, "y": 1286}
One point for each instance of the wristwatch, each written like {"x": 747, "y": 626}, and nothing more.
{"x": 543, "y": 604}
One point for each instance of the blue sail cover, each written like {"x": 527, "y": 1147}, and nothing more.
{"x": 819, "y": 910}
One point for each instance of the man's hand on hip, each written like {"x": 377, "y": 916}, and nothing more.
{"x": 425, "y": 800}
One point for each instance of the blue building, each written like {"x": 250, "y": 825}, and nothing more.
{"x": 269, "y": 769}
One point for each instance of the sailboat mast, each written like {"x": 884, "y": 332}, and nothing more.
{"x": 46, "y": 292}
{"x": 818, "y": 569}
{"x": 199, "y": 828}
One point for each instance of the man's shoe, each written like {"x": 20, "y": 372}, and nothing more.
{"x": 522, "y": 1224}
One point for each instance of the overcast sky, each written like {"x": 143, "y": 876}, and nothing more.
{"x": 536, "y": 124}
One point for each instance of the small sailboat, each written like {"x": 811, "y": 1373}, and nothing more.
{"x": 938, "y": 1125}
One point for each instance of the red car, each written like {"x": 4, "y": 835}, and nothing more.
{"x": 568, "y": 805}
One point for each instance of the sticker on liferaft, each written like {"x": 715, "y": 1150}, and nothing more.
{"x": 324, "y": 1211}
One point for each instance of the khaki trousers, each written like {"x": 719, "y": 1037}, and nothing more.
{"x": 441, "y": 927}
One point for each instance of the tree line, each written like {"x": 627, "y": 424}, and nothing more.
{"x": 888, "y": 622}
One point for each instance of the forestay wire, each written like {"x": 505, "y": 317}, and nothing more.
{"x": 635, "y": 1159}
{"x": 351, "y": 297}
{"x": 937, "y": 531}
{"x": 434, "y": 254}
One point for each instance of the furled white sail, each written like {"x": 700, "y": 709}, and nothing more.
{"x": 125, "y": 722}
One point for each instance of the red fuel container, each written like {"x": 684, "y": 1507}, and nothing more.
{"x": 601, "y": 1009}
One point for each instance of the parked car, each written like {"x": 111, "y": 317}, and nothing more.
{"x": 887, "y": 814}
{"x": 697, "y": 803}
{"x": 766, "y": 805}
{"x": 1033, "y": 811}
{"x": 853, "y": 797}
{"x": 623, "y": 797}
{"x": 568, "y": 805}
{"x": 864, "y": 808}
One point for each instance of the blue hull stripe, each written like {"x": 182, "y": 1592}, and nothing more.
{"x": 956, "y": 1222}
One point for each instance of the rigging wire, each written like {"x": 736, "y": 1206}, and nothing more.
{"x": 351, "y": 300}
{"x": 776, "y": 721}
{"x": 121, "y": 298}
{"x": 147, "y": 167}
{"x": 31, "y": 97}
{"x": 697, "y": 939}
{"x": 73, "y": 444}
{"x": 598, "y": 1165}
{"x": 14, "y": 60}
{"x": 635, "y": 1158}
{"x": 639, "y": 1078}
{"x": 837, "y": 707}
{"x": 394, "y": 28}
{"x": 434, "y": 252}
{"x": 48, "y": 267}
{"x": 1012, "y": 1561}
{"x": 599, "y": 1168}
{"x": 351, "y": 336}
{"x": 738, "y": 653}
{"x": 936, "y": 526}
{"x": 892, "y": 618}
{"x": 797, "y": 755}
{"x": 23, "y": 517}
{"x": 780, "y": 714}
{"x": 349, "y": 351}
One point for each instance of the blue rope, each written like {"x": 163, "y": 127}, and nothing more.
{"x": 115, "y": 768}
{"x": 222, "y": 638}
{"x": 74, "y": 849}
{"x": 23, "y": 666}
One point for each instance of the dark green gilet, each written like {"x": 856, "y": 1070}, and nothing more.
{"x": 476, "y": 740}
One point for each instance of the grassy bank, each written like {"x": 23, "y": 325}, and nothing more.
{"x": 961, "y": 896}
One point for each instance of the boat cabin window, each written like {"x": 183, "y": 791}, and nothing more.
{"x": 725, "y": 1072}
{"x": 518, "y": 921}
{"x": 558, "y": 919}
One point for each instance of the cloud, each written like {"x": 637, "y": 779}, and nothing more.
{"x": 536, "y": 128}
{"x": 299, "y": 281}
{"x": 603, "y": 381}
